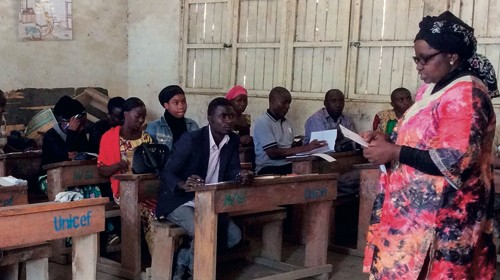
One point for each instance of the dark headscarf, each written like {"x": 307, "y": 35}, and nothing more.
{"x": 168, "y": 92}
{"x": 449, "y": 34}
{"x": 66, "y": 107}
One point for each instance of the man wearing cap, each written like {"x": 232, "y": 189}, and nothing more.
{"x": 65, "y": 140}
{"x": 169, "y": 127}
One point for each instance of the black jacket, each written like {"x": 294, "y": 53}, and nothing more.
{"x": 190, "y": 157}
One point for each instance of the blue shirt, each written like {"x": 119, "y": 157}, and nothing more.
{"x": 321, "y": 120}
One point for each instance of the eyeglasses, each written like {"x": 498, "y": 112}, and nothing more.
{"x": 424, "y": 60}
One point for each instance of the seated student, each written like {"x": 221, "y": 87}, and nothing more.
{"x": 169, "y": 127}
{"x": 385, "y": 121}
{"x": 207, "y": 155}
{"x": 330, "y": 117}
{"x": 239, "y": 98}
{"x": 115, "y": 117}
{"x": 117, "y": 146}
{"x": 65, "y": 140}
{"x": 273, "y": 136}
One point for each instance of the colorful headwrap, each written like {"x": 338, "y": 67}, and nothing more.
{"x": 449, "y": 34}
{"x": 235, "y": 91}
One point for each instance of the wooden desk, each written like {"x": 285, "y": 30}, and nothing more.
{"x": 66, "y": 174}
{"x": 25, "y": 165}
{"x": 316, "y": 191}
{"x": 133, "y": 189}
{"x": 21, "y": 165}
{"x": 13, "y": 195}
{"x": 44, "y": 221}
{"x": 71, "y": 173}
{"x": 369, "y": 176}
{"x": 312, "y": 164}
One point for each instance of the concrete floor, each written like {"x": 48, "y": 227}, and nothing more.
{"x": 345, "y": 267}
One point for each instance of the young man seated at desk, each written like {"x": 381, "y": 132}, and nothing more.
{"x": 208, "y": 155}
{"x": 331, "y": 117}
{"x": 273, "y": 136}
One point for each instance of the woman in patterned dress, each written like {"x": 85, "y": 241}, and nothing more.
{"x": 432, "y": 218}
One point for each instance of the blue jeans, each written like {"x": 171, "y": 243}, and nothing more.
{"x": 229, "y": 234}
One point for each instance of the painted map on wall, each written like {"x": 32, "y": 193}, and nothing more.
{"x": 45, "y": 20}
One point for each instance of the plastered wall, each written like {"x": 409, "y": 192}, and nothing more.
{"x": 130, "y": 48}
{"x": 97, "y": 55}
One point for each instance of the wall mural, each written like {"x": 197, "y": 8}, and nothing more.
{"x": 45, "y": 20}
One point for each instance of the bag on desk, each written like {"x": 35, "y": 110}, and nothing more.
{"x": 149, "y": 158}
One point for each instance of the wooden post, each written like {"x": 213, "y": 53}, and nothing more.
{"x": 317, "y": 220}
{"x": 37, "y": 269}
{"x": 205, "y": 240}
{"x": 85, "y": 257}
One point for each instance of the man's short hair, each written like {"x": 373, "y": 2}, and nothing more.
{"x": 332, "y": 91}
{"x": 278, "y": 91}
{"x": 219, "y": 101}
{"x": 400, "y": 89}
{"x": 115, "y": 102}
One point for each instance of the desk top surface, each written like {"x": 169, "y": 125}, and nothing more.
{"x": 21, "y": 155}
{"x": 268, "y": 180}
{"x": 70, "y": 163}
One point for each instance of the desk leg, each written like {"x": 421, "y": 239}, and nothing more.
{"x": 85, "y": 257}
{"x": 272, "y": 234}
{"x": 205, "y": 237}
{"x": 317, "y": 221}
{"x": 131, "y": 227}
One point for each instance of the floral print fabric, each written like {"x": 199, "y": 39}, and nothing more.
{"x": 445, "y": 218}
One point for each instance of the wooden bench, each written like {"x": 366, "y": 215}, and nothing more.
{"x": 66, "y": 174}
{"x": 165, "y": 235}
{"x": 81, "y": 220}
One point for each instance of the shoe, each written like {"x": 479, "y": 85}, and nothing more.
{"x": 113, "y": 239}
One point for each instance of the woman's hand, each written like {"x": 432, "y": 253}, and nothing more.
{"x": 379, "y": 150}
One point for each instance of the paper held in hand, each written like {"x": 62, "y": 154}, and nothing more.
{"x": 358, "y": 139}
{"x": 353, "y": 136}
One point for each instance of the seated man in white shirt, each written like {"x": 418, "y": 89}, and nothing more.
{"x": 204, "y": 156}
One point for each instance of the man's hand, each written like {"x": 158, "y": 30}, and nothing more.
{"x": 191, "y": 182}
{"x": 245, "y": 177}
{"x": 314, "y": 144}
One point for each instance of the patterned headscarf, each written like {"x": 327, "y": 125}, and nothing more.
{"x": 449, "y": 34}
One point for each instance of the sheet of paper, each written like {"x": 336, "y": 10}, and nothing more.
{"x": 326, "y": 135}
{"x": 353, "y": 136}
{"x": 325, "y": 157}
